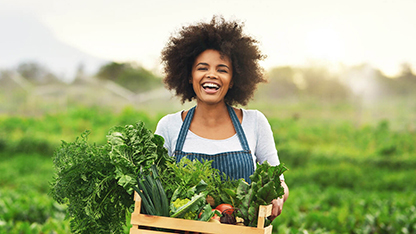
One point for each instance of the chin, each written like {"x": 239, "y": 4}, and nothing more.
{"x": 210, "y": 102}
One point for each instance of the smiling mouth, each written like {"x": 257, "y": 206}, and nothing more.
{"x": 210, "y": 86}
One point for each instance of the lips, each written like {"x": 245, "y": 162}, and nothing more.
{"x": 211, "y": 87}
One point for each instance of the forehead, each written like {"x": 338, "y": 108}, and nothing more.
{"x": 212, "y": 56}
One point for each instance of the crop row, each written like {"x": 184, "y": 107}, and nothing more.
{"x": 296, "y": 139}
{"x": 310, "y": 209}
{"x": 343, "y": 178}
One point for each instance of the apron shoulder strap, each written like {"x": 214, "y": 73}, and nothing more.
{"x": 184, "y": 129}
{"x": 238, "y": 128}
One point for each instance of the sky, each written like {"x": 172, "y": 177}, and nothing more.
{"x": 299, "y": 32}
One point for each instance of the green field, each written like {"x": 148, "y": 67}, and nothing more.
{"x": 349, "y": 171}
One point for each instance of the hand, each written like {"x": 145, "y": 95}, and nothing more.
{"x": 277, "y": 206}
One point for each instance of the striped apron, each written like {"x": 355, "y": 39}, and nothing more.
{"x": 235, "y": 164}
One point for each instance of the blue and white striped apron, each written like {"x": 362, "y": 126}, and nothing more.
{"x": 235, "y": 164}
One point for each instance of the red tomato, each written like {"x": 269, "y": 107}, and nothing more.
{"x": 226, "y": 208}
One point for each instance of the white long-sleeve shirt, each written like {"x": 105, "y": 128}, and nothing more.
{"x": 256, "y": 128}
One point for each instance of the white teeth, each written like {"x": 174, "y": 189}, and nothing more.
{"x": 211, "y": 85}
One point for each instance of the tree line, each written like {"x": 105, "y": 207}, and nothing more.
{"x": 284, "y": 82}
{"x": 362, "y": 81}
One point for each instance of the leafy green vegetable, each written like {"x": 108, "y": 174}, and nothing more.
{"x": 208, "y": 213}
{"x": 226, "y": 193}
{"x": 85, "y": 180}
{"x": 135, "y": 147}
{"x": 179, "y": 208}
{"x": 187, "y": 193}
{"x": 188, "y": 183}
{"x": 187, "y": 178}
{"x": 265, "y": 187}
{"x": 180, "y": 178}
{"x": 96, "y": 182}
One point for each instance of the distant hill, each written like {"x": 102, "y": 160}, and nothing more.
{"x": 26, "y": 39}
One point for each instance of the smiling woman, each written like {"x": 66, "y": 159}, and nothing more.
{"x": 218, "y": 66}
{"x": 211, "y": 76}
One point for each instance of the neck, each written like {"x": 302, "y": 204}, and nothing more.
{"x": 211, "y": 114}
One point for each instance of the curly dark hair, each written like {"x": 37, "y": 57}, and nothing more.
{"x": 224, "y": 36}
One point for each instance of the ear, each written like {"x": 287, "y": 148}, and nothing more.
{"x": 190, "y": 80}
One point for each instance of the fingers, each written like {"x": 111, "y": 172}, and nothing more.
{"x": 277, "y": 206}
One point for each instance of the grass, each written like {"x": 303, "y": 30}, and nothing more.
{"x": 344, "y": 177}
{"x": 25, "y": 206}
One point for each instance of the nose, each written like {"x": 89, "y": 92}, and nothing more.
{"x": 211, "y": 74}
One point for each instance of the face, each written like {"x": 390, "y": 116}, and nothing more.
{"x": 211, "y": 77}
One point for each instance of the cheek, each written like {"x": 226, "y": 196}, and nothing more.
{"x": 195, "y": 87}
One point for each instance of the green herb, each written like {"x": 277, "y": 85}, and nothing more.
{"x": 187, "y": 178}
{"x": 85, "y": 181}
{"x": 96, "y": 182}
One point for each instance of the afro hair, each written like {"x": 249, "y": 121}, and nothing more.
{"x": 224, "y": 36}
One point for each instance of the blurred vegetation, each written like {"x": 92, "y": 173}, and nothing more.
{"x": 348, "y": 138}
{"x": 343, "y": 178}
{"x": 129, "y": 75}
{"x": 36, "y": 73}
{"x": 359, "y": 82}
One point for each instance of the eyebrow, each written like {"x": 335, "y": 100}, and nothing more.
{"x": 206, "y": 64}
{"x": 223, "y": 65}
{"x": 203, "y": 64}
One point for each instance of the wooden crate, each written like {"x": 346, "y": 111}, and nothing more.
{"x": 142, "y": 220}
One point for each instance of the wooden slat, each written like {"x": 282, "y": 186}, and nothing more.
{"x": 260, "y": 222}
{"x": 268, "y": 229}
{"x": 137, "y": 203}
{"x": 142, "y": 231}
{"x": 192, "y": 225}
{"x": 138, "y": 219}
{"x": 264, "y": 212}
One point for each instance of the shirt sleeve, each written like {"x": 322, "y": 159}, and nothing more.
{"x": 162, "y": 129}
{"x": 266, "y": 147}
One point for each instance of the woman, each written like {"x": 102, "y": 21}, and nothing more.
{"x": 217, "y": 65}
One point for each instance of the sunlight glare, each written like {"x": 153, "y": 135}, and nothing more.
{"x": 324, "y": 44}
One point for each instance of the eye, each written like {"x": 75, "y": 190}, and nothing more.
{"x": 202, "y": 68}
{"x": 223, "y": 71}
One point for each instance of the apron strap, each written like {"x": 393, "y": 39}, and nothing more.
{"x": 238, "y": 128}
{"x": 184, "y": 129}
